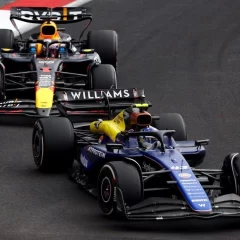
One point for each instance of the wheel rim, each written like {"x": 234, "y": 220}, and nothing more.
{"x": 106, "y": 190}
{"x": 38, "y": 148}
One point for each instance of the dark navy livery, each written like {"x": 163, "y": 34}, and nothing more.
{"x": 139, "y": 166}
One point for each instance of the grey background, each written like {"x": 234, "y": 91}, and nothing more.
{"x": 4, "y": 2}
{"x": 186, "y": 55}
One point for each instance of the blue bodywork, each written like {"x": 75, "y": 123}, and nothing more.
{"x": 172, "y": 159}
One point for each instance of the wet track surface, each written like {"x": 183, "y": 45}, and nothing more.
{"x": 186, "y": 54}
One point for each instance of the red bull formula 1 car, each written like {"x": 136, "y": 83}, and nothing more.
{"x": 32, "y": 70}
{"x": 139, "y": 167}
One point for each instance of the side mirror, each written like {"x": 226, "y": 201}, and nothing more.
{"x": 111, "y": 146}
{"x": 199, "y": 143}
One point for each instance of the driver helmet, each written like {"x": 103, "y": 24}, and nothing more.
{"x": 146, "y": 141}
{"x": 53, "y": 50}
{"x": 48, "y": 30}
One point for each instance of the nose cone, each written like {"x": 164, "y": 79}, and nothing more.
{"x": 45, "y": 112}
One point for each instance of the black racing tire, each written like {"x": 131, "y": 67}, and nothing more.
{"x": 105, "y": 43}
{"x": 103, "y": 76}
{"x": 172, "y": 121}
{"x": 6, "y": 38}
{"x": 230, "y": 179}
{"x": 124, "y": 176}
{"x": 53, "y": 144}
{"x": 2, "y": 86}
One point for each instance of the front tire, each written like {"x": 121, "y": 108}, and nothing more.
{"x": 124, "y": 176}
{"x": 53, "y": 144}
{"x": 103, "y": 76}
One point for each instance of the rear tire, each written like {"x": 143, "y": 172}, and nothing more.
{"x": 124, "y": 176}
{"x": 6, "y": 41}
{"x": 105, "y": 43}
{"x": 53, "y": 144}
{"x": 103, "y": 77}
{"x": 6, "y": 38}
{"x": 172, "y": 121}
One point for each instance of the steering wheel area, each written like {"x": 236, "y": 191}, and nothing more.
{"x": 47, "y": 43}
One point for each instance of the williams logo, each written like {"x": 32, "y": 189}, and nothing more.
{"x": 88, "y": 95}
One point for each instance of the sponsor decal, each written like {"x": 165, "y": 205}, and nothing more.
{"x": 184, "y": 175}
{"x": 75, "y": 14}
{"x": 196, "y": 193}
{"x": 31, "y": 15}
{"x": 188, "y": 180}
{"x": 199, "y": 200}
{"x": 12, "y": 103}
{"x": 84, "y": 161}
{"x": 114, "y": 194}
{"x": 188, "y": 183}
{"x": 194, "y": 189}
{"x": 43, "y": 77}
{"x": 202, "y": 205}
{"x": 84, "y": 95}
{"x": 179, "y": 167}
{"x": 45, "y": 81}
{"x": 97, "y": 152}
{"x": 46, "y": 62}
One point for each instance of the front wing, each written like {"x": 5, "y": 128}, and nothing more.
{"x": 23, "y": 107}
{"x": 169, "y": 209}
{"x": 28, "y": 108}
{"x": 78, "y": 102}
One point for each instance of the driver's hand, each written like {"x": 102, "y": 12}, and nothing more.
{"x": 156, "y": 144}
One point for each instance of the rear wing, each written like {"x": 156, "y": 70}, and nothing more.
{"x": 60, "y": 15}
{"x": 99, "y": 99}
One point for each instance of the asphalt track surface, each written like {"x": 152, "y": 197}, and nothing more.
{"x": 186, "y": 54}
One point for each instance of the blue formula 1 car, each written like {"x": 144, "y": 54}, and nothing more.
{"x": 138, "y": 166}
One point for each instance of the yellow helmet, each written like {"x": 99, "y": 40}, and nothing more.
{"x": 48, "y": 30}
